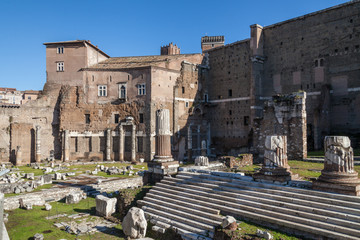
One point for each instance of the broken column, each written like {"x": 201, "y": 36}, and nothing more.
{"x": 66, "y": 145}
{"x": 121, "y": 143}
{"x": 18, "y": 156}
{"x": 338, "y": 174}
{"x": 163, "y": 162}
{"x": 37, "y": 141}
{"x": 133, "y": 143}
{"x": 108, "y": 144}
{"x": 275, "y": 167}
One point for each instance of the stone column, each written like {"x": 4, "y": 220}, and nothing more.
{"x": 198, "y": 143}
{"x": 18, "y": 160}
{"x": 38, "y": 144}
{"x": 108, "y": 144}
{"x": 189, "y": 133}
{"x": 338, "y": 174}
{"x": 66, "y": 145}
{"x": 121, "y": 143}
{"x": 163, "y": 136}
{"x": 275, "y": 166}
{"x": 3, "y": 233}
{"x": 133, "y": 143}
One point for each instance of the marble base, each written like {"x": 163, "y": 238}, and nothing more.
{"x": 274, "y": 175}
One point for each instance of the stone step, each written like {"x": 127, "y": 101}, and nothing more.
{"x": 200, "y": 217}
{"x": 181, "y": 201}
{"x": 325, "y": 215}
{"x": 253, "y": 191}
{"x": 190, "y": 210}
{"x": 179, "y": 222}
{"x": 181, "y": 230}
{"x": 326, "y": 195}
{"x": 302, "y": 229}
{"x": 222, "y": 201}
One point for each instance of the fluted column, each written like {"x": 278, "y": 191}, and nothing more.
{"x": 38, "y": 144}
{"x": 133, "y": 143}
{"x": 66, "y": 146}
{"x": 163, "y": 136}
{"x": 108, "y": 144}
{"x": 121, "y": 143}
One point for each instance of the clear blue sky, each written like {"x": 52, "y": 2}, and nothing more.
{"x": 126, "y": 27}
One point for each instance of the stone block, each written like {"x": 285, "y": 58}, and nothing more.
{"x": 74, "y": 197}
{"x": 105, "y": 206}
{"x": 201, "y": 161}
{"x": 134, "y": 223}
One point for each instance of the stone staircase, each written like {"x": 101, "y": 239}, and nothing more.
{"x": 190, "y": 203}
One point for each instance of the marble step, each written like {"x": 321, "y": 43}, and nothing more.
{"x": 179, "y": 222}
{"x": 302, "y": 229}
{"x": 324, "y": 215}
{"x": 324, "y": 196}
{"x": 186, "y": 209}
{"x": 199, "y": 217}
{"x": 181, "y": 229}
{"x": 223, "y": 202}
{"x": 256, "y": 192}
{"x": 181, "y": 201}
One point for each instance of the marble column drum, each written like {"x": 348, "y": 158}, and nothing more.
{"x": 163, "y": 136}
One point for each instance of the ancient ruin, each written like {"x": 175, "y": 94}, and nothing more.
{"x": 338, "y": 174}
{"x": 275, "y": 166}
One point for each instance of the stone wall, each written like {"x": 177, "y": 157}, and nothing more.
{"x": 283, "y": 115}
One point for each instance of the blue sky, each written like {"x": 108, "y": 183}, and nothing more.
{"x": 126, "y": 28}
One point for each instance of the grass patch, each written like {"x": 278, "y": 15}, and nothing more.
{"x": 24, "y": 224}
{"x": 26, "y": 169}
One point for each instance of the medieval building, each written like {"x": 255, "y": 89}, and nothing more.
{"x": 98, "y": 107}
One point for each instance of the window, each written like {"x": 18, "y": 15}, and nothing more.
{"x": 206, "y": 98}
{"x": 117, "y": 116}
{"x": 186, "y": 104}
{"x": 29, "y": 97}
{"x": 183, "y": 89}
{"x": 87, "y": 118}
{"x": 230, "y": 92}
{"x": 60, "y": 66}
{"x": 60, "y": 50}
{"x": 141, "y": 89}
{"x": 321, "y": 62}
{"x": 141, "y": 117}
{"x": 230, "y": 112}
{"x": 246, "y": 120}
{"x": 102, "y": 91}
{"x": 122, "y": 91}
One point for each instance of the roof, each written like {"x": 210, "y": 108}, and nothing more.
{"x": 136, "y": 62}
{"x": 32, "y": 92}
{"x": 8, "y": 89}
{"x": 77, "y": 41}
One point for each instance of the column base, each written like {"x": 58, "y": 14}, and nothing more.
{"x": 276, "y": 175}
{"x": 347, "y": 189}
{"x": 159, "y": 169}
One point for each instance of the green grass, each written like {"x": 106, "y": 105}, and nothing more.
{"x": 321, "y": 153}
{"x": 26, "y": 169}
{"x": 24, "y": 224}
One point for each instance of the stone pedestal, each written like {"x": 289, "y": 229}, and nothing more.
{"x": 66, "y": 146}
{"x": 275, "y": 167}
{"x": 19, "y": 159}
{"x": 163, "y": 162}
{"x": 338, "y": 174}
{"x": 108, "y": 144}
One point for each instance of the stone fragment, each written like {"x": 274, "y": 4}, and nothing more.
{"x": 264, "y": 234}
{"x": 74, "y": 197}
{"x": 105, "y": 206}
{"x": 38, "y": 236}
{"x": 46, "y": 179}
{"x": 201, "y": 161}
{"x": 48, "y": 207}
{"x": 63, "y": 177}
{"x": 58, "y": 176}
{"x": 134, "y": 224}
{"x": 229, "y": 222}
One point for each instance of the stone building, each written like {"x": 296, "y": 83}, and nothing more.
{"x": 221, "y": 101}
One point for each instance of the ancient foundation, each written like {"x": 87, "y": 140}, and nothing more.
{"x": 163, "y": 162}
{"x": 338, "y": 174}
{"x": 275, "y": 167}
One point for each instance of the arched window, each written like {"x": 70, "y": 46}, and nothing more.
{"x": 123, "y": 92}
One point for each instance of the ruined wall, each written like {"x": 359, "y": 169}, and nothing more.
{"x": 310, "y": 52}
{"x": 189, "y": 122}
{"x": 228, "y": 89}
{"x": 283, "y": 115}
{"x": 88, "y": 124}
{"x": 17, "y": 126}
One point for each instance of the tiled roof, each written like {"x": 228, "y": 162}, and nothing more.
{"x": 135, "y": 62}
